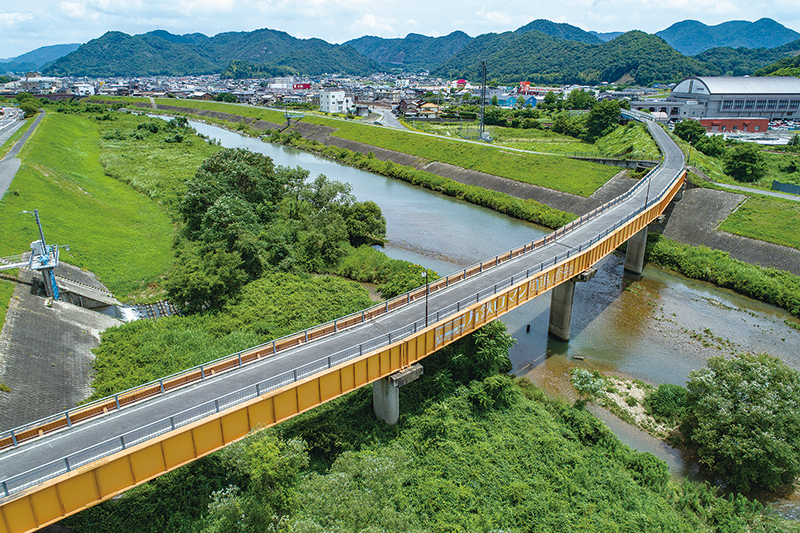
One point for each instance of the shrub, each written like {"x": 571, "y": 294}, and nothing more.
{"x": 743, "y": 414}
{"x": 665, "y": 403}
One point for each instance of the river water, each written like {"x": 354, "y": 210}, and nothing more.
{"x": 656, "y": 328}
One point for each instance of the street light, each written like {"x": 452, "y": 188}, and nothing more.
{"x": 427, "y": 291}
{"x": 35, "y": 213}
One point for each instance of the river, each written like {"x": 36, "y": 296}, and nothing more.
{"x": 656, "y": 328}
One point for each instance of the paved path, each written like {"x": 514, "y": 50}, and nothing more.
{"x": 10, "y": 164}
{"x": 775, "y": 194}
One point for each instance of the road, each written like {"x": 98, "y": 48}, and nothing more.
{"x": 10, "y": 164}
{"x": 77, "y": 440}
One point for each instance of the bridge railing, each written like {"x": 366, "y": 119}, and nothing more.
{"x": 65, "y": 419}
{"x": 103, "y": 449}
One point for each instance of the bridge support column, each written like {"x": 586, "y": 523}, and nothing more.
{"x": 386, "y": 393}
{"x": 634, "y": 257}
{"x": 561, "y": 305}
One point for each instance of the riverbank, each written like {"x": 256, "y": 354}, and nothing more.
{"x": 562, "y": 201}
{"x": 693, "y": 221}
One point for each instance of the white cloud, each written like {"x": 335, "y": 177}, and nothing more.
{"x": 12, "y": 19}
{"x": 496, "y": 17}
{"x": 371, "y": 23}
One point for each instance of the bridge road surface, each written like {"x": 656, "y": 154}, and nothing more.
{"x": 56, "y": 446}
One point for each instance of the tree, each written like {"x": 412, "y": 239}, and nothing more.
{"x": 602, "y": 119}
{"x": 579, "y": 99}
{"x": 365, "y": 224}
{"x": 29, "y": 108}
{"x": 745, "y": 163}
{"x": 225, "y": 97}
{"x": 590, "y": 385}
{"x": 495, "y": 101}
{"x": 520, "y": 102}
{"x": 690, "y": 131}
{"x": 743, "y": 414}
{"x": 550, "y": 100}
{"x": 795, "y": 140}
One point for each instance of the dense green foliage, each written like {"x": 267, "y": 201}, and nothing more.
{"x": 666, "y": 403}
{"x": 392, "y": 276}
{"x": 776, "y": 287}
{"x": 161, "y": 53}
{"x": 694, "y": 133}
{"x": 746, "y": 61}
{"x": 474, "y": 451}
{"x": 745, "y": 163}
{"x": 787, "y": 66}
{"x": 244, "y": 217}
{"x": 268, "y": 308}
{"x": 414, "y": 51}
{"x": 743, "y": 414}
{"x": 533, "y": 56}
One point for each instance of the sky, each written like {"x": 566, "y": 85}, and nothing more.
{"x": 25, "y": 26}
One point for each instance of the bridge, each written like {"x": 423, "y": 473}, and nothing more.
{"x": 57, "y": 466}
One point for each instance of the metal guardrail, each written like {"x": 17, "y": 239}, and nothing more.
{"x": 116, "y": 444}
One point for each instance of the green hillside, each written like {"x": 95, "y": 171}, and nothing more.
{"x": 560, "y": 31}
{"x": 746, "y": 61}
{"x": 788, "y": 66}
{"x": 161, "y": 53}
{"x": 414, "y": 51}
{"x": 634, "y": 57}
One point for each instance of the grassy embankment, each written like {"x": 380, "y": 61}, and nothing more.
{"x": 559, "y": 173}
{"x": 633, "y": 143}
{"x": 112, "y": 230}
{"x": 759, "y": 217}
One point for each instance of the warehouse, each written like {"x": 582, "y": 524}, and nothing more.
{"x": 772, "y": 97}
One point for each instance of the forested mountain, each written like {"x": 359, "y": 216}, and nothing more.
{"x": 560, "y": 31}
{"x": 691, "y": 37}
{"x": 540, "y": 51}
{"x": 414, "y": 51}
{"x": 745, "y": 61}
{"x": 36, "y": 59}
{"x": 162, "y": 53}
{"x": 634, "y": 57}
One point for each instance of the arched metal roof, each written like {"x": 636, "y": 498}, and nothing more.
{"x": 745, "y": 85}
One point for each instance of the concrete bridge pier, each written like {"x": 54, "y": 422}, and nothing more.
{"x": 561, "y": 305}
{"x": 634, "y": 256}
{"x": 386, "y": 393}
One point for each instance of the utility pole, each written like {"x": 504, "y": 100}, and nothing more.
{"x": 483, "y": 98}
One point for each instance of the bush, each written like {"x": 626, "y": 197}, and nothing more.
{"x": 745, "y": 163}
{"x": 743, "y": 414}
{"x": 666, "y": 403}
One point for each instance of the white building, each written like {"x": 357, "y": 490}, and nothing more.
{"x": 334, "y": 102}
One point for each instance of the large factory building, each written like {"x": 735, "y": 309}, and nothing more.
{"x": 772, "y": 97}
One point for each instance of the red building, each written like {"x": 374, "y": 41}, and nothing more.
{"x": 738, "y": 124}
